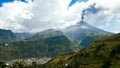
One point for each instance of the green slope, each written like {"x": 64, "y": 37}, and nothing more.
{"x": 46, "y": 34}
{"x": 103, "y": 53}
{"x": 6, "y": 36}
{"x": 49, "y": 47}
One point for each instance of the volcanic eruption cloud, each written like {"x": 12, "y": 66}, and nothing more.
{"x": 90, "y": 10}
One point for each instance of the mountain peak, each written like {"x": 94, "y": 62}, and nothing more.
{"x": 82, "y": 31}
{"x": 82, "y": 23}
{"x": 6, "y": 36}
{"x": 5, "y": 30}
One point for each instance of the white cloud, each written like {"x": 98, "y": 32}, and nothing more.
{"x": 13, "y": 14}
{"x": 52, "y": 14}
{"x": 40, "y": 14}
{"x": 110, "y": 11}
{"x": 44, "y": 14}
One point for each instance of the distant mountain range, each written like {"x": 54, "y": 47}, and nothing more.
{"x": 22, "y": 36}
{"x": 103, "y": 53}
{"x": 49, "y": 43}
{"x": 81, "y": 34}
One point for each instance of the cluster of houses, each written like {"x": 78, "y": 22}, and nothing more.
{"x": 29, "y": 61}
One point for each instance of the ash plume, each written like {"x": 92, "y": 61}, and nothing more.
{"x": 90, "y": 10}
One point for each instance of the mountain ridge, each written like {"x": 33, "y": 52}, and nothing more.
{"x": 7, "y": 36}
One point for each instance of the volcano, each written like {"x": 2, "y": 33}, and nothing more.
{"x": 82, "y": 34}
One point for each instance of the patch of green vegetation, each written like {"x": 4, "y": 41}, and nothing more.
{"x": 103, "y": 53}
{"x": 49, "y": 47}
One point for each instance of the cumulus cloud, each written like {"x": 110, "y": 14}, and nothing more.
{"x": 38, "y": 15}
{"x": 108, "y": 15}
{"x": 13, "y": 14}
{"x": 54, "y": 14}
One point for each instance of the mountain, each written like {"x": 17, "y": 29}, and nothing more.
{"x": 103, "y": 53}
{"x": 7, "y": 36}
{"x": 23, "y": 36}
{"x": 38, "y": 46}
{"x": 46, "y": 34}
{"x": 82, "y": 34}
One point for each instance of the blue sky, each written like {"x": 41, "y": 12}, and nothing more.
{"x": 74, "y": 1}
{"x": 71, "y": 3}
{"x": 35, "y": 16}
{"x": 4, "y": 1}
